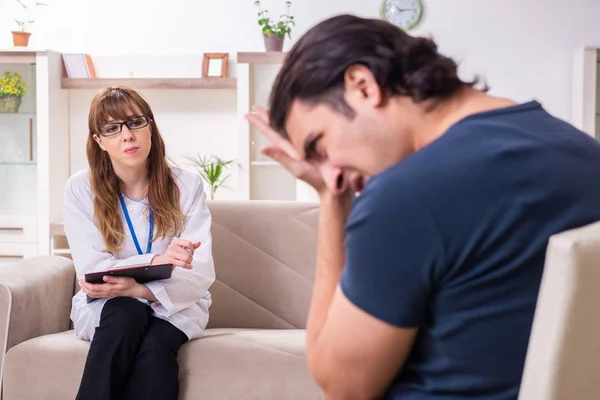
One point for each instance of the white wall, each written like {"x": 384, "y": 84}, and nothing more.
{"x": 108, "y": 27}
{"x": 522, "y": 47}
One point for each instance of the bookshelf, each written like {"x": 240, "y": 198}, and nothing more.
{"x": 261, "y": 58}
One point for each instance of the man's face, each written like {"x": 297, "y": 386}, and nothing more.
{"x": 347, "y": 150}
{"x": 330, "y": 141}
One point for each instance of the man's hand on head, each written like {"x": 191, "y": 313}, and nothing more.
{"x": 282, "y": 151}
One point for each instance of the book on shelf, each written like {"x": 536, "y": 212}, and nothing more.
{"x": 78, "y": 66}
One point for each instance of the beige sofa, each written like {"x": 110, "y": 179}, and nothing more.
{"x": 254, "y": 347}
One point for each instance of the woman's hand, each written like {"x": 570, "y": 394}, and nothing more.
{"x": 114, "y": 286}
{"x": 284, "y": 153}
{"x": 180, "y": 253}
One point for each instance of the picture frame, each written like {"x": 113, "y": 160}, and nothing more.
{"x": 214, "y": 65}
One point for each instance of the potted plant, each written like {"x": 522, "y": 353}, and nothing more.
{"x": 21, "y": 37}
{"x": 211, "y": 169}
{"x": 12, "y": 90}
{"x": 274, "y": 32}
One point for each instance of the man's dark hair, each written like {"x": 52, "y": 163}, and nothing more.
{"x": 403, "y": 65}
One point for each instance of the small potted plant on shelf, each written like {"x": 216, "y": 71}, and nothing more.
{"x": 12, "y": 90}
{"x": 21, "y": 37}
{"x": 211, "y": 170}
{"x": 274, "y": 32}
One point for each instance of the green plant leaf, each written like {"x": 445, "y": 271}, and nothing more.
{"x": 211, "y": 169}
{"x": 281, "y": 27}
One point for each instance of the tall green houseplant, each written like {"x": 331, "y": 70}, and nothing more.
{"x": 274, "y": 32}
{"x": 212, "y": 170}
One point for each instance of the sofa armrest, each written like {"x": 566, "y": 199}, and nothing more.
{"x": 35, "y": 298}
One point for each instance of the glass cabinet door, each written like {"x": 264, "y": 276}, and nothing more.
{"x": 18, "y": 150}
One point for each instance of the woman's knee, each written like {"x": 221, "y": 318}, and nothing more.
{"x": 126, "y": 312}
{"x": 162, "y": 340}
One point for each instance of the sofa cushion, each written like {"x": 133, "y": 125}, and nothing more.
{"x": 225, "y": 364}
{"x": 265, "y": 256}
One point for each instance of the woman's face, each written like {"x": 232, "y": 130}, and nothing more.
{"x": 128, "y": 141}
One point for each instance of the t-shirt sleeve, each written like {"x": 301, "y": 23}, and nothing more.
{"x": 394, "y": 256}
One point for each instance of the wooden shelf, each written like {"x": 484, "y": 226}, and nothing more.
{"x": 61, "y": 252}
{"x": 17, "y": 56}
{"x": 26, "y": 163}
{"x": 271, "y": 57}
{"x": 150, "y": 83}
{"x": 265, "y": 164}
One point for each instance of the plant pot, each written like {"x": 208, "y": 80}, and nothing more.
{"x": 10, "y": 104}
{"x": 20, "y": 38}
{"x": 273, "y": 42}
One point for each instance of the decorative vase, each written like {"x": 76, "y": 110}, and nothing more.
{"x": 274, "y": 42}
{"x": 20, "y": 38}
{"x": 10, "y": 104}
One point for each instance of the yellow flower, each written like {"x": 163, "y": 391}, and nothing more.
{"x": 11, "y": 84}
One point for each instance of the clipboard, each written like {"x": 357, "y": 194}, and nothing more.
{"x": 141, "y": 273}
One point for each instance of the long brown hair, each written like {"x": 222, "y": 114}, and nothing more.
{"x": 163, "y": 192}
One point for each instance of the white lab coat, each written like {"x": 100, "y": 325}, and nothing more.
{"x": 183, "y": 299}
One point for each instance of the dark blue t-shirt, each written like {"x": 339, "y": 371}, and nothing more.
{"x": 452, "y": 240}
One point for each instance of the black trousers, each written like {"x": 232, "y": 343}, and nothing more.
{"x": 133, "y": 355}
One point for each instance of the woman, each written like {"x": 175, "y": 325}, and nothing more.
{"x": 130, "y": 208}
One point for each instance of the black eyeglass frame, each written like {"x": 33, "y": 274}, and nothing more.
{"x": 129, "y": 120}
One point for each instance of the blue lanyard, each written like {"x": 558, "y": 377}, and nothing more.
{"x": 133, "y": 235}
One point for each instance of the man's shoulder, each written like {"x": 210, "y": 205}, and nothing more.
{"x": 398, "y": 183}
{"x": 392, "y": 196}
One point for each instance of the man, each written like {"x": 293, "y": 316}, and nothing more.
{"x": 426, "y": 283}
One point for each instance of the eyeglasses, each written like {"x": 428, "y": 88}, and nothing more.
{"x": 114, "y": 128}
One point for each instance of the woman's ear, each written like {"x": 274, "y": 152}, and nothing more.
{"x": 98, "y": 140}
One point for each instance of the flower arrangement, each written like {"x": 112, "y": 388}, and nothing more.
{"x": 12, "y": 90}
{"x": 11, "y": 84}
{"x": 274, "y": 32}
{"x": 269, "y": 27}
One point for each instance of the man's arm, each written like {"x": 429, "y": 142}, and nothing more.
{"x": 334, "y": 212}
{"x": 351, "y": 354}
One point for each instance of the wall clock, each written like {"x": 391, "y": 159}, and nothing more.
{"x": 405, "y": 14}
